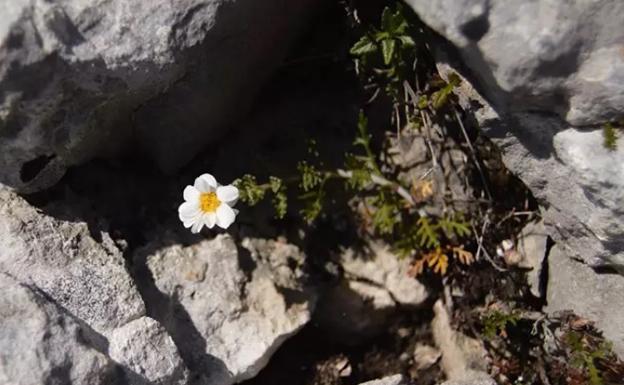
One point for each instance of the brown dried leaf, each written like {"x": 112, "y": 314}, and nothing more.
{"x": 464, "y": 256}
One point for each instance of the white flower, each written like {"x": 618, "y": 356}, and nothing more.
{"x": 207, "y": 203}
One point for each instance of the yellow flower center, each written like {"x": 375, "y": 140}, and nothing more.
{"x": 208, "y": 202}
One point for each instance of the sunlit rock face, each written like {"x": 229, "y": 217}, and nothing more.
{"x": 549, "y": 75}
{"x": 81, "y": 79}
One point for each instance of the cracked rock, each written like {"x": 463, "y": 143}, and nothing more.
{"x": 145, "y": 348}
{"x": 79, "y": 79}
{"x": 40, "y": 344}
{"x": 87, "y": 279}
{"x": 464, "y": 359}
{"x": 572, "y": 285}
{"x": 374, "y": 286}
{"x": 390, "y": 380}
{"x": 228, "y": 309}
{"x": 61, "y": 258}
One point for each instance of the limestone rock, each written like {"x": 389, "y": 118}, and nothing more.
{"x": 375, "y": 284}
{"x": 230, "y": 309}
{"x": 475, "y": 379}
{"x": 39, "y": 344}
{"x": 62, "y": 259}
{"x": 464, "y": 359}
{"x": 390, "y": 380}
{"x": 577, "y": 180}
{"x": 557, "y": 57}
{"x": 86, "y": 278}
{"x": 575, "y": 286}
{"x": 532, "y": 243}
{"x": 146, "y": 350}
{"x": 80, "y": 79}
{"x": 544, "y": 108}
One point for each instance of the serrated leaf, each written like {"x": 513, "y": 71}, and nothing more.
{"x": 387, "y": 48}
{"x": 464, "y": 256}
{"x": 426, "y": 233}
{"x": 387, "y": 19}
{"x": 362, "y": 47}
{"x": 280, "y": 203}
{"x": 437, "y": 260}
{"x": 275, "y": 183}
{"x": 407, "y": 41}
{"x": 393, "y": 21}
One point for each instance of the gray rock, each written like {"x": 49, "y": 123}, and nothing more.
{"x": 40, "y": 344}
{"x": 61, "y": 258}
{"x": 547, "y": 105}
{"x": 374, "y": 285}
{"x": 147, "y": 351}
{"x": 475, "y": 379}
{"x": 575, "y": 286}
{"x": 87, "y": 279}
{"x": 532, "y": 243}
{"x": 556, "y": 57}
{"x": 569, "y": 171}
{"x": 464, "y": 359}
{"x": 390, "y": 380}
{"x": 80, "y": 79}
{"x": 230, "y": 309}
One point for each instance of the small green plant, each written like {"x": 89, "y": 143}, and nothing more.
{"x": 610, "y": 135}
{"x": 495, "y": 322}
{"x": 385, "y": 205}
{"x": 387, "y": 51}
{"x": 584, "y": 355}
{"x": 251, "y": 192}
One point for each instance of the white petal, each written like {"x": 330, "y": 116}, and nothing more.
{"x": 206, "y": 183}
{"x": 188, "y": 223}
{"x": 210, "y": 219}
{"x": 191, "y": 194}
{"x": 197, "y": 226}
{"x": 225, "y": 216}
{"x": 188, "y": 210}
{"x": 227, "y": 194}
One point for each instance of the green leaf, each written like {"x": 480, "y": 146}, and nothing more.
{"x": 610, "y": 137}
{"x": 440, "y": 97}
{"x": 385, "y": 218}
{"x": 364, "y": 46}
{"x": 393, "y": 21}
{"x": 407, "y": 41}
{"x": 454, "y": 226}
{"x": 280, "y": 203}
{"x": 275, "y": 183}
{"x": 426, "y": 233}
{"x": 310, "y": 176}
{"x": 387, "y": 20}
{"x": 249, "y": 190}
{"x": 387, "y": 48}
{"x": 312, "y": 208}
{"x": 280, "y": 199}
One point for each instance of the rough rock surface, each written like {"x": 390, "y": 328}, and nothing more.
{"x": 374, "y": 285}
{"x": 145, "y": 348}
{"x": 477, "y": 379}
{"x": 553, "y": 56}
{"x": 228, "y": 310}
{"x": 39, "y": 344}
{"x": 464, "y": 359}
{"x": 573, "y": 285}
{"x": 61, "y": 258}
{"x": 532, "y": 246}
{"x": 390, "y": 380}
{"x": 79, "y": 79}
{"x": 87, "y": 279}
{"x": 548, "y": 104}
